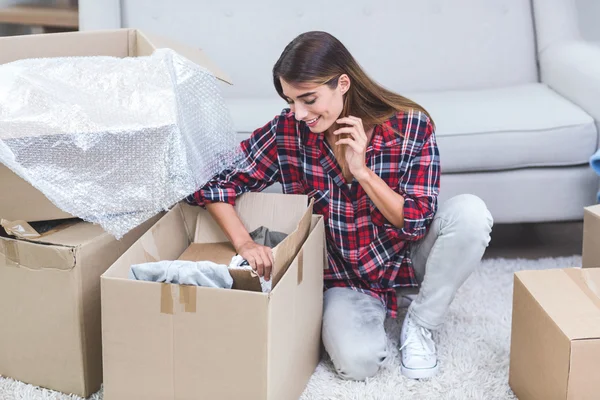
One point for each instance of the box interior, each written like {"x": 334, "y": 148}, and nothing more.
{"x": 199, "y": 238}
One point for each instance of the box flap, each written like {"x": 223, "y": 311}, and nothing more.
{"x": 279, "y": 212}
{"x": 68, "y": 44}
{"x": 19, "y": 253}
{"x": 295, "y": 312}
{"x": 591, "y": 237}
{"x": 193, "y": 54}
{"x": 23, "y": 201}
{"x": 287, "y": 250}
{"x": 71, "y": 235}
{"x": 576, "y": 311}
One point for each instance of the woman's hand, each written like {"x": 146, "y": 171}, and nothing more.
{"x": 357, "y": 145}
{"x": 259, "y": 257}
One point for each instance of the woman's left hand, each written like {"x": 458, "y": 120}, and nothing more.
{"x": 357, "y": 145}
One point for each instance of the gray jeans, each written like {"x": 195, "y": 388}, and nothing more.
{"x": 353, "y": 331}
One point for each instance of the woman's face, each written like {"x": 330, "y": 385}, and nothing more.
{"x": 319, "y": 106}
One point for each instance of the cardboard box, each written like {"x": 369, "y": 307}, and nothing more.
{"x": 591, "y": 237}
{"x": 50, "y": 305}
{"x": 555, "y": 345}
{"x": 18, "y": 199}
{"x": 166, "y": 341}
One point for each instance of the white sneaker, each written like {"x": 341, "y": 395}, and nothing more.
{"x": 419, "y": 358}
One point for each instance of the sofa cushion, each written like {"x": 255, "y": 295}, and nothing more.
{"x": 484, "y": 130}
{"x": 514, "y": 127}
{"x": 404, "y": 44}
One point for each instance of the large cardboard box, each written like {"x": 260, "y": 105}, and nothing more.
{"x": 164, "y": 341}
{"x": 591, "y": 237}
{"x": 50, "y": 333}
{"x": 555, "y": 345}
{"x": 18, "y": 199}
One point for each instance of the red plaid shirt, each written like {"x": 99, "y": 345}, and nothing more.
{"x": 365, "y": 252}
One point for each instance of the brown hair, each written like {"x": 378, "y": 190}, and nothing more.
{"x": 318, "y": 57}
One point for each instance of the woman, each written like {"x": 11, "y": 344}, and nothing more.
{"x": 369, "y": 159}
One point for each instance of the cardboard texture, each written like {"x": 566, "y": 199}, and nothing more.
{"x": 591, "y": 237}
{"x": 50, "y": 305}
{"x": 18, "y": 199}
{"x": 555, "y": 343}
{"x": 186, "y": 342}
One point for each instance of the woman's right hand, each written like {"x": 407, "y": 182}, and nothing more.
{"x": 259, "y": 257}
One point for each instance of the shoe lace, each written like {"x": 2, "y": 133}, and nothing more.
{"x": 419, "y": 341}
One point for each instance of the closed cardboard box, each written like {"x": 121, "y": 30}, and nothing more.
{"x": 591, "y": 237}
{"x": 166, "y": 341}
{"x": 50, "y": 333}
{"x": 19, "y": 200}
{"x": 555, "y": 344}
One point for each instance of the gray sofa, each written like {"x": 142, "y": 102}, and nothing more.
{"x": 514, "y": 90}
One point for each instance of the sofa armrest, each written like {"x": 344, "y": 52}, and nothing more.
{"x": 572, "y": 69}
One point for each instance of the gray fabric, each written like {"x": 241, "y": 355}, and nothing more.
{"x": 266, "y": 237}
{"x": 353, "y": 332}
{"x": 203, "y": 273}
{"x": 447, "y": 255}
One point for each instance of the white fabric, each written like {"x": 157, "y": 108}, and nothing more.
{"x": 573, "y": 70}
{"x": 524, "y": 195}
{"x": 249, "y": 114}
{"x": 404, "y": 44}
{"x": 197, "y": 273}
{"x": 555, "y": 21}
{"x": 511, "y": 127}
{"x": 482, "y": 130}
{"x": 528, "y": 195}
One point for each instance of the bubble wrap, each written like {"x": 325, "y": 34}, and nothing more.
{"x": 114, "y": 140}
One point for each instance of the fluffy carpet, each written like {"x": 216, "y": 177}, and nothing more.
{"x": 473, "y": 348}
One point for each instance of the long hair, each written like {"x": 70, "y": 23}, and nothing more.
{"x": 318, "y": 57}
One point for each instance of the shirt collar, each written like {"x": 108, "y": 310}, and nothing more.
{"x": 384, "y": 136}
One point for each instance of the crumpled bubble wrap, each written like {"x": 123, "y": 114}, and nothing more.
{"x": 114, "y": 140}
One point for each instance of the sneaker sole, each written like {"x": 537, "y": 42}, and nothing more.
{"x": 421, "y": 373}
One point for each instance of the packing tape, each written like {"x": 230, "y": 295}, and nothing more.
{"x": 187, "y": 296}
{"x": 582, "y": 279}
{"x": 166, "y": 299}
{"x": 300, "y": 265}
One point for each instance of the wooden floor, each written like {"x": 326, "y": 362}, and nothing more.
{"x": 536, "y": 240}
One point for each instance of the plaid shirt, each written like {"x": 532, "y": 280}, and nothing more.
{"x": 365, "y": 252}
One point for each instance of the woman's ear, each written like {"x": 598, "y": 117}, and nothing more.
{"x": 344, "y": 83}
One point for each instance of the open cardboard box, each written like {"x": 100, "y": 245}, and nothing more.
{"x": 186, "y": 342}
{"x": 19, "y": 200}
{"x": 50, "y": 333}
{"x": 555, "y": 344}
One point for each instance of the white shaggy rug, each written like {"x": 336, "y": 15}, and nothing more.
{"x": 473, "y": 349}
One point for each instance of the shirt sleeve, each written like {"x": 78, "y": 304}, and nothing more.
{"x": 258, "y": 170}
{"x": 420, "y": 183}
